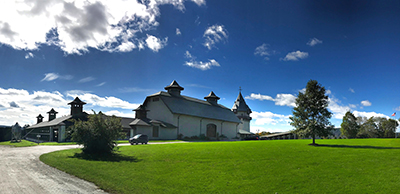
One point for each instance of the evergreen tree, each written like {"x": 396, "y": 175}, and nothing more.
{"x": 311, "y": 115}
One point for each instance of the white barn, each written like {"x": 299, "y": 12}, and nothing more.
{"x": 170, "y": 115}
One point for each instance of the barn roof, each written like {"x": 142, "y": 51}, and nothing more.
{"x": 194, "y": 107}
{"x": 54, "y": 122}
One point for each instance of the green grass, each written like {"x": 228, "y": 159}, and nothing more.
{"x": 281, "y": 166}
{"x": 56, "y": 143}
{"x": 23, "y": 143}
{"x": 151, "y": 141}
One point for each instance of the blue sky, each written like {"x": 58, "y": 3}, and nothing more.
{"x": 112, "y": 54}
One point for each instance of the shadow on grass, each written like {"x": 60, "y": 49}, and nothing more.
{"x": 115, "y": 157}
{"x": 354, "y": 146}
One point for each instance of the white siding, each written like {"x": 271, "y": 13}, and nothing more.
{"x": 159, "y": 111}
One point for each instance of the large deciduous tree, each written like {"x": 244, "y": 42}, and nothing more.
{"x": 349, "y": 126}
{"x": 98, "y": 135}
{"x": 311, "y": 115}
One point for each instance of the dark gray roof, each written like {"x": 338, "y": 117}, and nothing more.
{"x": 125, "y": 121}
{"x": 150, "y": 122}
{"x": 54, "y": 122}
{"x": 77, "y": 101}
{"x": 240, "y": 104}
{"x": 194, "y": 107}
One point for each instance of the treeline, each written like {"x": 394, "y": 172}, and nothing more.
{"x": 363, "y": 127}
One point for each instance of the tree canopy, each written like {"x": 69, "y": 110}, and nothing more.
{"x": 98, "y": 135}
{"x": 349, "y": 126}
{"x": 311, "y": 116}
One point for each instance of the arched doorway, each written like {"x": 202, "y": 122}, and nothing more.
{"x": 211, "y": 130}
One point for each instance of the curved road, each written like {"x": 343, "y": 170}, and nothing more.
{"x": 21, "y": 171}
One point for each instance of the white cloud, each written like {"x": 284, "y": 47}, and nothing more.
{"x": 280, "y": 99}
{"x": 351, "y": 90}
{"x": 29, "y": 55}
{"x": 214, "y": 34}
{"x": 338, "y": 110}
{"x": 117, "y": 113}
{"x": 295, "y": 56}
{"x": 178, "y": 32}
{"x": 108, "y": 101}
{"x": 369, "y": 114}
{"x": 86, "y": 79}
{"x": 76, "y": 26}
{"x": 313, "y": 42}
{"x": 18, "y": 105}
{"x": 366, "y": 103}
{"x": 54, "y": 76}
{"x": 263, "y": 50}
{"x": 199, "y": 64}
{"x": 269, "y": 118}
{"x": 155, "y": 44}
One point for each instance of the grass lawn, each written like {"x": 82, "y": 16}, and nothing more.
{"x": 23, "y": 143}
{"x": 280, "y": 166}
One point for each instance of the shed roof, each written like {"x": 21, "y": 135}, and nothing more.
{"x": 194, "y": 107}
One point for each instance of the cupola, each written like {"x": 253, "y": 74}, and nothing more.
{"x": 52, "y": 114}
{"x": 212, "y": 98}
{"x": 39, "y": 119}
{"x": 76, "y": 107}
{"x": 174, "y": 89}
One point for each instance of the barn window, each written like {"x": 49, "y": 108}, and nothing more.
{"x": 211, "y": 130}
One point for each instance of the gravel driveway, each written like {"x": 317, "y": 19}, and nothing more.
{"x": 21, "y": 171}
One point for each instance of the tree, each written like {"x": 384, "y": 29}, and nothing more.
{"x": 389, "y": 127}
{"x": 349, "y": 126}
{"x": 368, "y": 129}
{"x": 311, "y": 116}
{"x": 98, "y": 134}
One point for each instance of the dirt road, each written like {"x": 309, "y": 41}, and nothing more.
{"x": 21, "y": 171}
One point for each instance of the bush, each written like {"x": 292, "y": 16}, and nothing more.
{"x": 98, "y": 134}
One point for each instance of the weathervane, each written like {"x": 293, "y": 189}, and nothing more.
{"x": 240, "y": 89}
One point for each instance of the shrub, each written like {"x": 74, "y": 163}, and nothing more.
{"x": 98, "y": 134}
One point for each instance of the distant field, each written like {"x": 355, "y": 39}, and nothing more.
{"x": 280, "y": 166}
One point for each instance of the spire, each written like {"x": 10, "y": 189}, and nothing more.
{"x": 212, "y": 98}
{"x": 240, "y": 105}
{"x": 174, "y": 89}
{"x": 52, "y": 114}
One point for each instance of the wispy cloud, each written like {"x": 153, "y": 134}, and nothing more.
{"x": 295, "y": 56}
{"x": 54, "y": 76}
{"x": 263, "y": 50}
{"x": 313, "y": 42}
{"x": 29, "y": 55}
{"x": 280, "y": 99}
{"x": 101, "y": 84}
{"x": 86, "y": 79}
{"x": 351, "y": 90}
{"x": 178, "y": 32}
{"x": 133, "y": 89}
{"x": 214, "y": 34}
{"x": 199, "y": 64}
